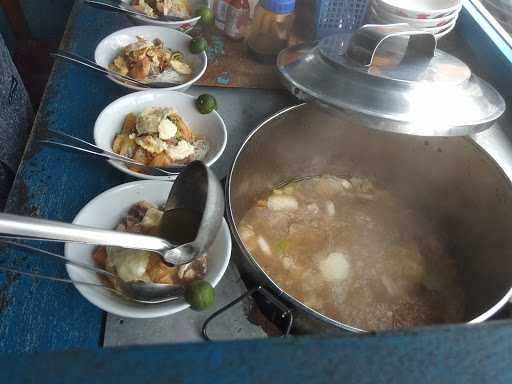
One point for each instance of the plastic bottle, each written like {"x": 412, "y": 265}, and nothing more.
{"x": 270, "y": 29}
{"x": 237, "y": 19}
{"x": 221, "y": 8}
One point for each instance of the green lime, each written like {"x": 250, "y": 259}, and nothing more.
{"x": 206, "y": 103}
{"x": 198, "y": 45}
{"x": 206, "y": 15}
{"x": 200, "y": 295}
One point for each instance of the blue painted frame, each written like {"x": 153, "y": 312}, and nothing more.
{"x": 464, "y": 354}
{"x": 491, "y": 27}
{"x": 37, "y": 316}
{"x": 490, "y": 44}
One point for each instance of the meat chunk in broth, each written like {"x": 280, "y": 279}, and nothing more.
{"x": 351, "y": 251}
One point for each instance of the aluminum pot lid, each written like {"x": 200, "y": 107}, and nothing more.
{"x": 393, "y": 78}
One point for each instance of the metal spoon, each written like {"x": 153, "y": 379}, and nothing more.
{"x": 192, "y": 218}
{"x": 105, "y": 154}
{"x": 148, "y": 293}
{"x": 124, "y": 8}
{"x": 82, "y": 61}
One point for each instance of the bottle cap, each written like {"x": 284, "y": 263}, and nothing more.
{"x": 279, "y": 6}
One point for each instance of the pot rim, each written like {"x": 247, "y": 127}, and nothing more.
{"x": 281, "y": 292}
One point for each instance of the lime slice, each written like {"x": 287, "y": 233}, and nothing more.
{"x": 200, "y": 295}
{"x": 198, "y": 45}
{"x": 206, "y": 103}
{"x": 206, "y": 15}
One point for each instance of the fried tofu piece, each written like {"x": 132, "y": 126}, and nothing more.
{"x": 184, "y": 130}
{"x": 159, "y": 272}
{"x": 141, "y": 156}
{"x": 141, "y": 69}
{"x": 119, "y": 65}
{"x": 161, "y": 160}
{"x": 129, "y": 124}
{"x": 100, "y": 256}
{"x": 123, "y": 145}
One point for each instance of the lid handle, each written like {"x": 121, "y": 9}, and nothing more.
{"x": 369, "y": 37}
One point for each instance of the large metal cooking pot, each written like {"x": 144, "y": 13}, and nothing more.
{"x": 452, "y": 181}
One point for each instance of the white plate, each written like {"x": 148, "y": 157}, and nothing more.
{"x": 420, "y": 23}
{"x": 112, "y": 45}
{"x": 420, "y": 9}
{"x": 110, "y": 120}
{"x": 182, "y": 26}
{"x": 105, "y": 211}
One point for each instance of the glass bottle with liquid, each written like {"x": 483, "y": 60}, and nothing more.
{"x": 237, "y": 19}
{"x": 220, "y": 12}
{"x": 270, "y": 29}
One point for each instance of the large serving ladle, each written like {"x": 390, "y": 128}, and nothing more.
{"x": 191, "y": 220}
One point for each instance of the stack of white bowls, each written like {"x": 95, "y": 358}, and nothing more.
{"x": 502, "y": 11}
{"x": 435, "y": 16}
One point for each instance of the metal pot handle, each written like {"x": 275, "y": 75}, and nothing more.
{"x": 367, "y": 40}
{"x": 286, "y": 312}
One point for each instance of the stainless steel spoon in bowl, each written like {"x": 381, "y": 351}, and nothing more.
{"x": 142, "y": 292}
{"x": 191, "y": 220}
{"x": 86, "y": 63}
{"x": 120, "y": 7}
{"x": 91, "y": 149}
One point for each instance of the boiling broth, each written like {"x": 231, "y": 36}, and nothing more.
{"x": 355, "y": 253}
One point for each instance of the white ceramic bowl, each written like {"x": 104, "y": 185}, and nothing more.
{"x": 419, "y": 9}
{"x": 420, "y": 23}
{"x": 433, "y": 30}
{"x": 111, "y": 46}
{"x": 110, "y": 121}
{"x": 441, "y": 32}
{"x": 182, "y": 26}
{"x": 445, "y": 32}
{"x": 105, "y": 211}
